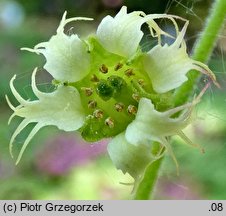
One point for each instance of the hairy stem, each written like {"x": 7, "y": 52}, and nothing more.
{"x": 203, "y": 48}
{"x": 146, "y": 185}
{"x": 202, "y": 52}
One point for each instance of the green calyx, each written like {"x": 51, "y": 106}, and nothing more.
{"x": 110, "y": 93}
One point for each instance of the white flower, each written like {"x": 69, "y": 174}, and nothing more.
{"x": 112, "y": 73}
{"x": 67, "y": 57}
{"x": 61, "y": 108}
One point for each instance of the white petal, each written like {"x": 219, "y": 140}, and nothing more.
{"x": 61, "y": 108}
{"x": 158, "y": 31}
{"x": 121, "y": 35}
{"x": 129, "y": 158}
{"x": 168, "y": 65}
{"x": 67, "y": 59}
{"x": 28, "y": 139}
{"x": 15, "y": 93}
{"x": 21, "y": 126}
{"x": 151, "y": 125}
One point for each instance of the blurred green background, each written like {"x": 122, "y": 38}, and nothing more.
{"x": 59, "y": 165}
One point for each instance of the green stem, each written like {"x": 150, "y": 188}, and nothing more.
{"x": 146, "y": 185}
{"x": 203, "y": 48}
{"x": 202, "y": 51}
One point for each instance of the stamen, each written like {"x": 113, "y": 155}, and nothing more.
{"x": 98, "y": 114}
{"x": 132, "y": 109}
{"x": 92, "y": 104}
{"x": 141, "y": 82}
{"x": 118, "y": 66}
{"x": 103, "y": 69}
{"x": 109, "y": 122}
{"x": 119, "y": 107}
{"x": 94, "y": 78}
{"x": 129, "y": 72}
{"x": 88, "y": 91}
{"x": 136, "y": 97}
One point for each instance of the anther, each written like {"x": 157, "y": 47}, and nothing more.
{"x": 88, "y": 91}
{"x": 129, "y": 72}
{"x": 94, "y": 78}
{"x": 118, "y": 66}
{"x": 141, "y": 82}
{"x": 109, "y": 122}
{"x": 92, "y": 104}
{"x": 103, "y": 69}
{"x": 136, "y": 97}
{"x": 119, "y": 107}
{"x": 90, "y": 117}
{"x": 98, "y": 114}
{"x": 132, "y": 109}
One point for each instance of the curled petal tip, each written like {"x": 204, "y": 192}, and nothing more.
{"x": 65, "y": 14}
{"x": 26, "y": 49}
{"x": 13, "y": 78}
{"x": 31, "y": 50}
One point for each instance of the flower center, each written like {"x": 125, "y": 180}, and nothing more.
{"x": 107, "y": 97}
{"x": 110, "y": 93}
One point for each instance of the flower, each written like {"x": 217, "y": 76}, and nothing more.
{"x": 107, "y": 86}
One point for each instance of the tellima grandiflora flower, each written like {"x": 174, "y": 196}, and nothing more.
{"x": 107, "y": 86}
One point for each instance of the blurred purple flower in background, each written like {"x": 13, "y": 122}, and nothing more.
{"x": 64, "y": 152}
{"x": 7, "y": 168}
{"x": 179, "y": 190}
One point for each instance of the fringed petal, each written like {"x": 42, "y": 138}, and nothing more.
{"x": 61, "y": 108}
{"x": 36, "y": 128}
{"x": 67, "y": 57}
{"x": 127, "y": 157}
{"x": 151, "y": 125}
{"x": 168, "y": 65}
